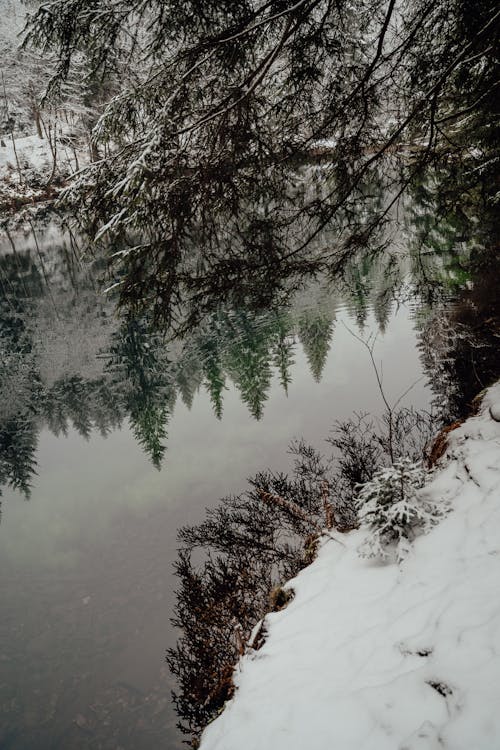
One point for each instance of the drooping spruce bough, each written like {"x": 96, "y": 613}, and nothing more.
{"x": 199, "y": 159}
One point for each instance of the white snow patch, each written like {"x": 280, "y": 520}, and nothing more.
{"x": 375, "y": 657}
{"x": 33, "y": 153}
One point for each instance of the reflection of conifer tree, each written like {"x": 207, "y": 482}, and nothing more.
{"x": 189, "y": 374}
{"x": 68, "y": 400}
{"x": 19, "y": 384}
{"x": 358, "y": 290}
{"x": 436, "y": 230}
{"x": 20, "y": 279}
{"x": 209, "y": 346}
{"x": 141, "y": 371}
{"x": 459, "y": 343}
{"x": 315, "y": 332}
{"x": 382, "y": 308}
{"x": 389, "y": 279}
{"x": 106, "y": 408}
{"x": 18, "y": 442}
{"x": 439, "y": 234}
{"x": 149, "y": 421}
{"x": 454, "y": 248}
{"x": 248, "y": 359}
{"x": 283, "y": 351}
{"x": 83, "y": 403}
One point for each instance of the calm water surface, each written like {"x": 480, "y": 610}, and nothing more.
{"x": 119, "y": 440}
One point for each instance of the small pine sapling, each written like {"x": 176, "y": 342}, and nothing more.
{"x": 394, "y": 509}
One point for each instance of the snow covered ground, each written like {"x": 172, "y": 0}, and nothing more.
{"x": 35, "y": 162}
{"x": 33, "y": 154}
{"x": 372, "y": 656}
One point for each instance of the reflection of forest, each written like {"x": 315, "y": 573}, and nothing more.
{"x": 67, "y": 359}
{"x": 454, "y": 223}
{"x": 460, "y": 343}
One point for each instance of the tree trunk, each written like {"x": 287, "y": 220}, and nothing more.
{"x": 36, "y": 113}
{"x": 11, "y": 132}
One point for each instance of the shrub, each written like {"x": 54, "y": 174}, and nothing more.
{"x": 393, "y": 508}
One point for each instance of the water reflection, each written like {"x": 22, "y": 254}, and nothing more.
{"x": 68, "y": 359}
{"x": 460, "y": 343}
{"x": 246, "y": 371}
{"x": 453, "y": 244}
{"x": 80, "y": 664}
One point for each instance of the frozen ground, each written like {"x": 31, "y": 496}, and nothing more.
{"x": 375, "y": 657}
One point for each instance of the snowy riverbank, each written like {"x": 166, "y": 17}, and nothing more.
{"x": 372, "y": 656}
{"x": 27, "y": 172}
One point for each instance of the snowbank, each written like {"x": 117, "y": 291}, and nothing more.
{"x": 374, "y": 657}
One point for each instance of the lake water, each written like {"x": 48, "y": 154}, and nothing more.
{"x": 119, "y": 438}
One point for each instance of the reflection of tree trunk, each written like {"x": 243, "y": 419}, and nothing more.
{"x": 46, "y": 278}
{"x": 16, "y": 256}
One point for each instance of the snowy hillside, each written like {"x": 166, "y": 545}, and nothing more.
{"x": 373, "y": 657}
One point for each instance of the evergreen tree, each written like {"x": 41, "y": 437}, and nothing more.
{"x": 201, "y": 152}
{"x": 394, "y": 509}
